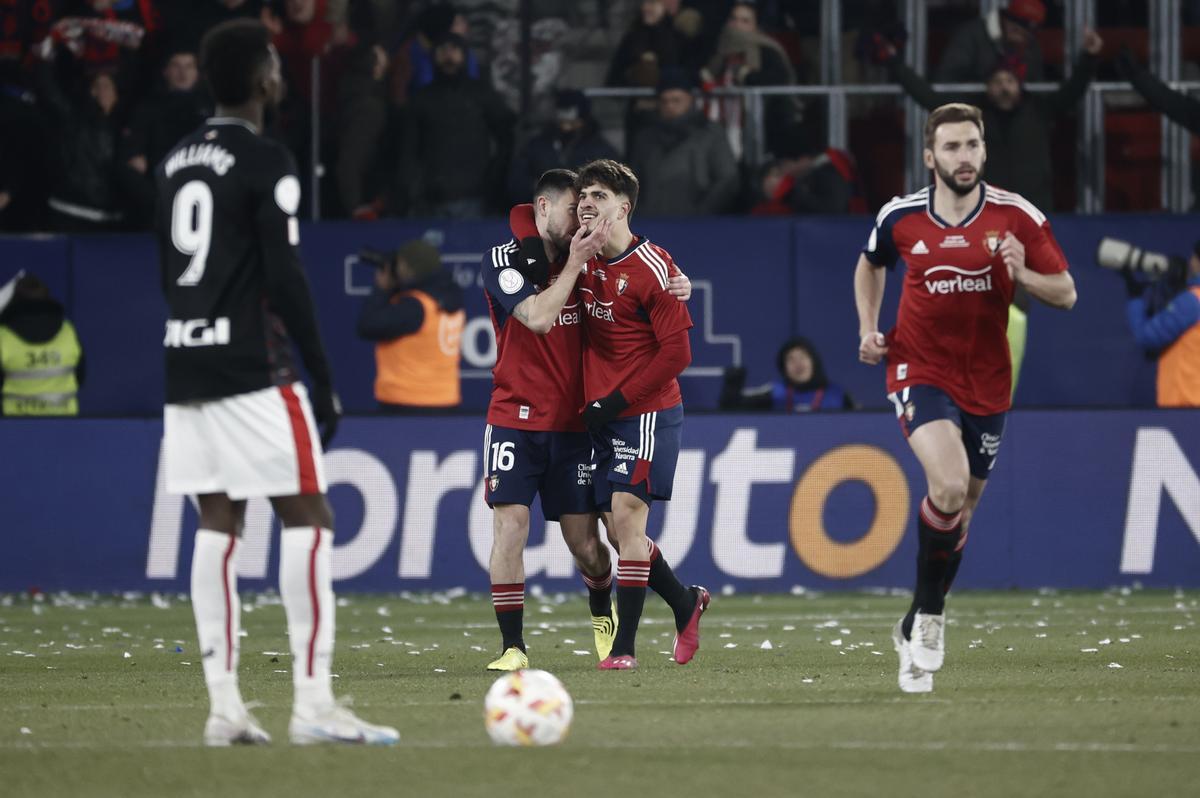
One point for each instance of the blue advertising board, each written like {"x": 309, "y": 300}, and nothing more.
{"x": 757, "y": 282}
{"x": 761, "y": 503}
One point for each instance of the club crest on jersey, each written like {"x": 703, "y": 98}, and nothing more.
{"x": 622, "y": 283}
{"x": 493, "y": 483}
{"x": 910, "y": 410}
{"x": 991, "y": 241}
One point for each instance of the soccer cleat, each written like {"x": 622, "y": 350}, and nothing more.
{"x": 337, "y": 724}
{"x": 623, "y": 662}
{"x": 220, "y": 731}
{"x": 604, "y": 627}
{"x": 513, "y": 659}
{"x": 688, "y": 639}
{"x": 928, "y": 642}
{"x": 912, "y": 678}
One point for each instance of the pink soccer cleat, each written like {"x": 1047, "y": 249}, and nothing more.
{"x": 623, "y": 662}
{"x": 688, "y": 640}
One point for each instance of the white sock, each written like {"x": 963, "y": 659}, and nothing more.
{"x": 217, "y": 609}
{"x": 306, "y": 587}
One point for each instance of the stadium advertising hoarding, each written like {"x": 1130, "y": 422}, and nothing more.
{"x": 761, "y": 503}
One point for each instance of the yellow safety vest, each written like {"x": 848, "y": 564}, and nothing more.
{"x": 39, "y": 379}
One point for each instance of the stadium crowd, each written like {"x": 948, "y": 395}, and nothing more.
{"x": 434, "y": 108}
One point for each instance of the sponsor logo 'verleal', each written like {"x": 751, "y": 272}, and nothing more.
{"x": 963, "y": 282}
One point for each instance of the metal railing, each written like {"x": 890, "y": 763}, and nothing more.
{"x": 1176, "y": 162}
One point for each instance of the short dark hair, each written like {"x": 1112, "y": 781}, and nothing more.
{"x": 617, "y": 177}
{"x": 949, "y": 114}
{"x": 555, "y": 181}
{"x": 232, "y": 55}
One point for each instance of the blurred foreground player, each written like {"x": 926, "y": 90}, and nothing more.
{"x": 967, "y": 246}
{"x": 237, "y": 421}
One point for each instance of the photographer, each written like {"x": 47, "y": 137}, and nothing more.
{"x": 1167, "y": 321}
{"x": 415, "y": 317}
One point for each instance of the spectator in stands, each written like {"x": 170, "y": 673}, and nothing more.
{"x": 1180, "y": 108}
{"x": 746, "y": 56}
{"x": 86, "y": 127}
{"x": 41, "y": 360}
{"x": 683, "y": 160}
{"x": 651, "y": 44}
{"x": 808, "y": 178}
{"x": 458, "y": 138}
{"x": 415, "y": 317}
{"x": 362, "y": 118}
{"x": 573, "y": 138}
{"x": 1016, "y": 124}
{"x": 802, "y": 386}
{"x": 978, "y": 46}
{"x": 413, "y": 62}
{"x": 177, "y": 107}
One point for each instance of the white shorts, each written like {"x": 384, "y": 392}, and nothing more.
{"x": 262, "y": 443}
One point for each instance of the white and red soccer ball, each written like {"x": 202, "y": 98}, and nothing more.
{"x": 527, "y": 707}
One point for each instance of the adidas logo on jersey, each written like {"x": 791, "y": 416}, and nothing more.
{"x": 621, "y": 468}
{"x": 919, "y": 248}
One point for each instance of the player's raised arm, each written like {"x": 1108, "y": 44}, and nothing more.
{"x": 869, "y": 282}
{"x": 538, "y": 312}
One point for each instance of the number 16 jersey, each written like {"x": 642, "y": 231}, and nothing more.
{"x": 231, "y": 274}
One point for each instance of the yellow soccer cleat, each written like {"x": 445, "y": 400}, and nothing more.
{"x": 513, "y": 659}
{"x": 604, "y": 627}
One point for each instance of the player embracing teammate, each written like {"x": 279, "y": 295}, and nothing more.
{"x": 636, "y": 331}
{"x": 967, "y": 247}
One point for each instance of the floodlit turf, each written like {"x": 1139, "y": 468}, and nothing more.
{"x": 1072, "y": 694}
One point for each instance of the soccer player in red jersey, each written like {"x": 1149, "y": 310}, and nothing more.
{"x": 637, "y": 344}
{"x": 967, "y": 246}
{"x": 534, "y": 442}
{"x": 538, "y": 381}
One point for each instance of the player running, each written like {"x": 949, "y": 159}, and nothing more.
{"x": 237, "y": 421}
{"x": 637, "y": 344}
{"x": 967, "y": 246}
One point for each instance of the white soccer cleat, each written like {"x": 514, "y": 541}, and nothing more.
{"x": 337, "y": 724}
{"x": 221, "y": 731}
{"x": 912, "y": 678}
{"x": 928, "y": 643}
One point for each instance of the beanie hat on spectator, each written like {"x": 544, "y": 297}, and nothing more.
{"x": 674, "y": 78}
{"x": 435, "y": 20}
{"x": 1010, "y": 62}
{"x": 421, "y": 256}
{"x": 571, "y": 104}
{"x": 1029, "y": 13}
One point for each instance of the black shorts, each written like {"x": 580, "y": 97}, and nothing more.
{"x": 920, "y": 404}
{"x": 557, "y": 466}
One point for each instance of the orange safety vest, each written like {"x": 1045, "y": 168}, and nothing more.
{"x": 421, "y": 370}
{"x": 1179, "y": 369}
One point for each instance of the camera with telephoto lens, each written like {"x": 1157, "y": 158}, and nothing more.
{"x": 1164, "y": 275}
{"x": 380, "y": 260}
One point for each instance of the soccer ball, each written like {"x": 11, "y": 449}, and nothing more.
{"x": 528, "y": 707}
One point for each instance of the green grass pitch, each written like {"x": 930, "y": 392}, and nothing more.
{"x": 1043, "y": 694}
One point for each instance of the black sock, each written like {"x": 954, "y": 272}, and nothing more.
{"x": 509, "y": 603}
{"x": 663, "y": 581}
{"x": 938, "y": 536}
{"x": 599, "y": 593}
{"x": 952, "y": 569}
{"x": 631, "y": 599}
